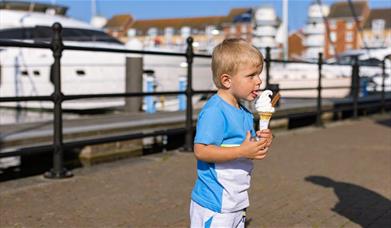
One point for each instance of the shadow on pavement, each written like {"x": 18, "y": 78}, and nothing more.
{"x": 386, "y": 122}
{"x": 360, "y": 205}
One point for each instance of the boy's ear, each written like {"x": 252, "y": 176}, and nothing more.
{"x": 225, "y": 80}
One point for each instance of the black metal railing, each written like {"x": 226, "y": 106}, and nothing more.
{"x": 57, "y": 97}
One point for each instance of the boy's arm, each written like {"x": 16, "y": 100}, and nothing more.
{"x": 248, "y": 149}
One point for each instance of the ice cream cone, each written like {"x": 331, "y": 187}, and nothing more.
{"x": 264, "y": 119}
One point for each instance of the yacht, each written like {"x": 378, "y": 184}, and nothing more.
{"x": 26, "y": 71}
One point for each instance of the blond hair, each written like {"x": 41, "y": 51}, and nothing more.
{"x": 229, "y": 54}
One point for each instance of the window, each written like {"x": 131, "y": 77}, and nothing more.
{"x": 44, "y": 34}
{"x": 378, "y": 26}
{"x": 333, "y": 24}
{"x": 349, "y": 24}
{"x": 152, "y": 31}
{"x": 349, "y": 37}
{"x": 333, "y": 37}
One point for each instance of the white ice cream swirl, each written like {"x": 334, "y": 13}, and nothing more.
{"x": 263, "y": 103}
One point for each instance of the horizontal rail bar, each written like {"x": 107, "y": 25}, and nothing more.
{"x": 14, "y": 43}
{"x": 125, "y": 51}
{"x": 29, "y": 98}
{"x": 204, "y": 91}
{"x": 333, "y": 109}
{"x": 113, "y": 95}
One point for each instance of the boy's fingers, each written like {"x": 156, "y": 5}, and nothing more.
{"x": 265, "y": 134}
{"x": 260, "y": 157}
{"x": 265, "y": 131}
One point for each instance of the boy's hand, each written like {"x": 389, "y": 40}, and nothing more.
{"x": 265, "y": 134}
{"x": 253, "y": 149}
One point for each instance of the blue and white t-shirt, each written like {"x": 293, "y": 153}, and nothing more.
{"x": 222, "y": 187}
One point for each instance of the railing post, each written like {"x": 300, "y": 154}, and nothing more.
{"x": 355, "y": 85}
{"x": 319, "y": 99}
{"x": 189, "y": 96}
{"x": 267, "y": 61}
{"x": 58, "y": 170}
{"x": 383, "y": 103}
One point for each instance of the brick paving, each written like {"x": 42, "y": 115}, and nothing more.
{"x": 337, "y": 176}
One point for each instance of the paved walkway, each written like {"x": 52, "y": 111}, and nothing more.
{"x": 339, "y": 176}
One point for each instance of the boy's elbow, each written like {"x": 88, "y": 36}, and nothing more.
{"x": 198, "y": 151}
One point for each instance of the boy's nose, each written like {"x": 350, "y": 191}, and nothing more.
{"x": 259, "y": 80}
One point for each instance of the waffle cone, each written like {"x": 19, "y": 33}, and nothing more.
{"x": 265, "y": 116}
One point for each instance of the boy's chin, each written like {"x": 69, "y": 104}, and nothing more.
{"x": 250, "y": 98}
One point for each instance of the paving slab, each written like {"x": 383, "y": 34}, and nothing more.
{"x": 337, "y": 176}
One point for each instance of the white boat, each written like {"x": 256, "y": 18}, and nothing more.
{"x": 333, "y": 75}
{"x": 26, "y": 71}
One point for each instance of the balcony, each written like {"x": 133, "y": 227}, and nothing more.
{"x": 261, "y": 22}
{"x": 264, "y": 42}
{"x": 314, "y": 29}
{"x": 265, "y": 31}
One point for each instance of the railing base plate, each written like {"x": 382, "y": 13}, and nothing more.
{"x": 58, "y": 175}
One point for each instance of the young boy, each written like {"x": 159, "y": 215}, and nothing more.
{"x": 223, "y": 143}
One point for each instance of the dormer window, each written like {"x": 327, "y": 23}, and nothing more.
{"x": 378, "y": 26}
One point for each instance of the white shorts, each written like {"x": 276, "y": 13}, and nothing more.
{"x": 201, "y": 217}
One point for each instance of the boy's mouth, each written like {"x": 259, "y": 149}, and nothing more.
{"x": 254, "y": 94}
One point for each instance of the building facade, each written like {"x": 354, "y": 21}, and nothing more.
{"x": 170, "y": 34}
{"x": 377, "y": 29}
{"x": 343, "y": 31}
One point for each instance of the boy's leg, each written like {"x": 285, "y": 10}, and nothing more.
{"x": 234, "y": 220}
{"x": 201, "y": 217}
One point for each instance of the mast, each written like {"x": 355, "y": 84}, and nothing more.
{"x": 93, "y": 9}
{"x": 285, "y": 27}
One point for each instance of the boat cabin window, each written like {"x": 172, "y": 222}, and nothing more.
{"x": 44, "y": 34}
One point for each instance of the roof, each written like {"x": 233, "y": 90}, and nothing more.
{"x": 374, "y": 14}
{"x": 342, "y": 9}
{"x": 119, "y": 21}
{"x": 32, "y": 6}
{"x": 177, "y": 23}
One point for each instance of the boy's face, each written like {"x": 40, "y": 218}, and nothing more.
{"x": 246, "y": 82}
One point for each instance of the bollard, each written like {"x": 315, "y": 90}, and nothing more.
{"x": 133, "y": 82}
{"x": 58, "y": 171}
{"x": 149, "y": 88}
{"x": 182, "y": 98}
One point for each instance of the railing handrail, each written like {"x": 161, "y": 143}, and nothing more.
{"x": 47, "y": 45}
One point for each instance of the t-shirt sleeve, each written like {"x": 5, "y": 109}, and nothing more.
{"x": 210, "y": 127}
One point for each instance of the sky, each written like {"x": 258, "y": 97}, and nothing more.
{"x": 154, "y": 9}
